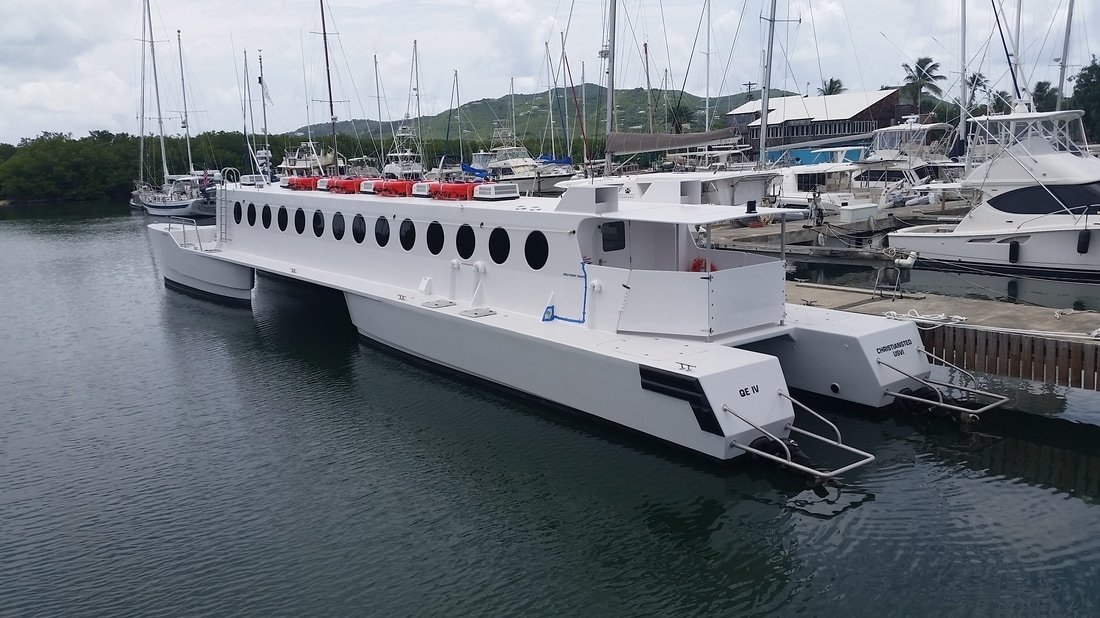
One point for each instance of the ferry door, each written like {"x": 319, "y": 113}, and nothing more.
{"x": 612, "y": 247}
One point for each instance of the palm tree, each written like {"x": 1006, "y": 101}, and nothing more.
{"x": 1002, "y": 102}
{"x": 923, "y": 76}
{"x": 1043, "y": 97}
{"x": 680, "y": 115}
{"x": 975, "y": 82}
{"x": 832, "y": 86}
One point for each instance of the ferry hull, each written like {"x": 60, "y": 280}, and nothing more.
{"x": 604, "y": 383}
{"x": 856, "y": 358}
{"x": 186, "y": 268}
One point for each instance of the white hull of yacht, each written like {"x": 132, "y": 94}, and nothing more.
{"x": 538, "y": 185}
{"x": 1051, "y": 252}
{"x": 191, "y": 207}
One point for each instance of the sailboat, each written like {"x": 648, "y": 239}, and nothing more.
{"x": 179, "y": 194}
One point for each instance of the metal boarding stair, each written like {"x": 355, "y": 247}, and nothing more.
{"x": 995, "y": 400}
{"x": 787, "y": 458}
{"x": 223, "y": 205}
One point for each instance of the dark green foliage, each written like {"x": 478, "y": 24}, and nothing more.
{"x": 103, "y": 165}
{"x": 1086, "y": 96}
{"x": 1044, "y": 97}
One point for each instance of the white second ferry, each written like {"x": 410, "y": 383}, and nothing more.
{"x": 618, "y": 309}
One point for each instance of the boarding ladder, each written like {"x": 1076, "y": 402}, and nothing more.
{"x": 993, "y": 400}
{"x": 782, "y": 448}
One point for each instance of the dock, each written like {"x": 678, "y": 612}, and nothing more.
{"x": 802, "y": 240}
{"x": 1056, "y": 346}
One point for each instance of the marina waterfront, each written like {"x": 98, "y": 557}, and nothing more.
{"x": 162, "y": 454}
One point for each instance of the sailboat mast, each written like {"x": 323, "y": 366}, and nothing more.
{"x": 331, "y": 108}
{"x": 263, "y": 100}
{"x": 648, "y": 89}
{"x": 765, "y": 90}
{"x": 550, "y": 98}
{"x": 706, "y": 122}
{"x": 156, "y": 91}
{"x": 512, "y": 100}
{"x": 1062, "y": 64}
{"x": 378, "y": 100}
{"x": 141, "y": 104}
{"x": 584, "y": 115}
{"x": 416, "y": 89}
{"x": 610, "y": 122}
{"x": 183, "y": 87}
{"x": 963, "y": 102}
{"x": 458, "y": 115}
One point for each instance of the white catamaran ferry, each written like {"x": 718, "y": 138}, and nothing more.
{"x": 618, "y": 309}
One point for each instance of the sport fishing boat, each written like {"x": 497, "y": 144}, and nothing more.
{"x": 620, "y": 309}
{"x": 1039, "y": 191}
{"x": 508, "y": 160}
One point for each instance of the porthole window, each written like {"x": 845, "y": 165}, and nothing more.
{"x": 251, "y": 215}
{"x": 382, "y": 231}
{"x": 499, "y": 245}
{"x": 337, "y": 226}
{"x": 318, "y": 223}
{"x": 358, "y": 228}
{"x": 407, "y": 234}
{"x": 434, "y": 237}
{"x": 237, "y": 213}
{"x": 464, "y": 241}
{"x": 282, "y": 218}
{"x": 299, "y": 221}
{"x": 536, "y": 250}
{"x": 265, "y": 217}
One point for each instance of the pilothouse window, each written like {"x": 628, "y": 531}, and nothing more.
{"x": 614, "y": 235}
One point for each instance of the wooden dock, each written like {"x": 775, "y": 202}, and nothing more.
{"x": 1019, "y": 341}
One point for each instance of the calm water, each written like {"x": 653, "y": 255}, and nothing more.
{"x": 160, "y": 454}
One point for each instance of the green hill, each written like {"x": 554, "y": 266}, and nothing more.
{"x": 532, "y": 116}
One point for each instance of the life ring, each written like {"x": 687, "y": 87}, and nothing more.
{"x": 699, "y": 265}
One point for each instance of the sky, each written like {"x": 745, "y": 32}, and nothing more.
{"x": 74, "y": 66}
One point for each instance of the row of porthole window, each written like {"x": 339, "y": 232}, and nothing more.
{"x": 535, "y": 248}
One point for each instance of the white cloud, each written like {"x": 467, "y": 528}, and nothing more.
{"x": 73, "y": 66}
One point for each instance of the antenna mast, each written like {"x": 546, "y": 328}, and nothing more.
{"x": 1062, "y": 64}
